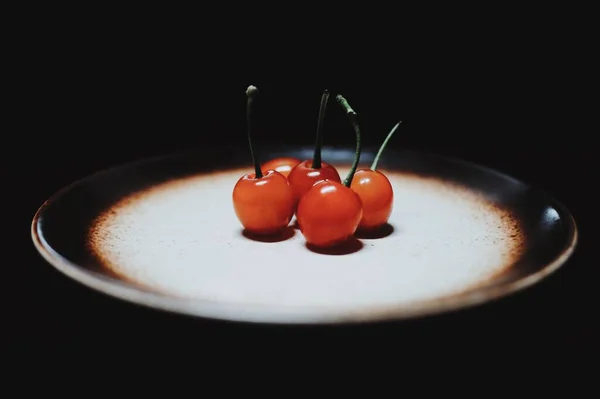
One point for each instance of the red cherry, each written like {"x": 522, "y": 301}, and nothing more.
{"x": 377, "y": 197}
{"x": 303, "y": 176}
{"x": 375, "y": 192}
{"x": 328, "y": 214}
{"x": 306, "y": 173}
{"x": 263, "y": 205}
{"x": 282, "y": 165}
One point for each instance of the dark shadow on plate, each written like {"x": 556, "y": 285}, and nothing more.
{"x": 286, "y": 234}
{"x": 348, "y": 247}
{"x": 382, "y": 232}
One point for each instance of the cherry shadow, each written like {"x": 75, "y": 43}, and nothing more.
{"x": 286, "y": 234}
{"x": 350, "y": 246}
{"x": 295, "y": 225}
{"x": 382, "y": 232}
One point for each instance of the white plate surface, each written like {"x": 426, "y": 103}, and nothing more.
{"x": 182, "y": 239}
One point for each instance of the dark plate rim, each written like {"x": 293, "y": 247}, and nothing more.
{"x": 284, "y": 315}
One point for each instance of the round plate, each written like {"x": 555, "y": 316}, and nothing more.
{"x": 162, "y": 233}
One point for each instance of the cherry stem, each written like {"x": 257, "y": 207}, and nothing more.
{"x": 389, "y": 136}
{"x": 316, "y": 163}
{"x": 354, "y": 120}
{"x": 252, "y": 94}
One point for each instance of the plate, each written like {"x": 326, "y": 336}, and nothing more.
{"x": 162, "y": 233}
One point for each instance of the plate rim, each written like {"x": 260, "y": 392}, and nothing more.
{"x": 284, "y": 315}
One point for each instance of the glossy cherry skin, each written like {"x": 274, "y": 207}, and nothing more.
{"x": 283, "y": 165}
{"x": 303, "y": 176}
{"x": 264, "y": 206}
{"x": 377, "y": 197}
{"x": 329, "y": 214}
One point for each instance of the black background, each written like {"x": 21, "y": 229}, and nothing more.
{"x": 96, "y": 92}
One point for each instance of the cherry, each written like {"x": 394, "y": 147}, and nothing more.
{"x": 375, "y": 192}
{"x": 263, "y": 203}
{"x": 330, "y": 212}
{"x": 306, "y": 173}
{"x": 283, "y": 165}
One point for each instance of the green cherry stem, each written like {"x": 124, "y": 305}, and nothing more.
{"x": 389, "y": 136}
{"x": 316, "y": 163}
{"x": 354, "y": 120}
{"x": 252, "y": 94}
